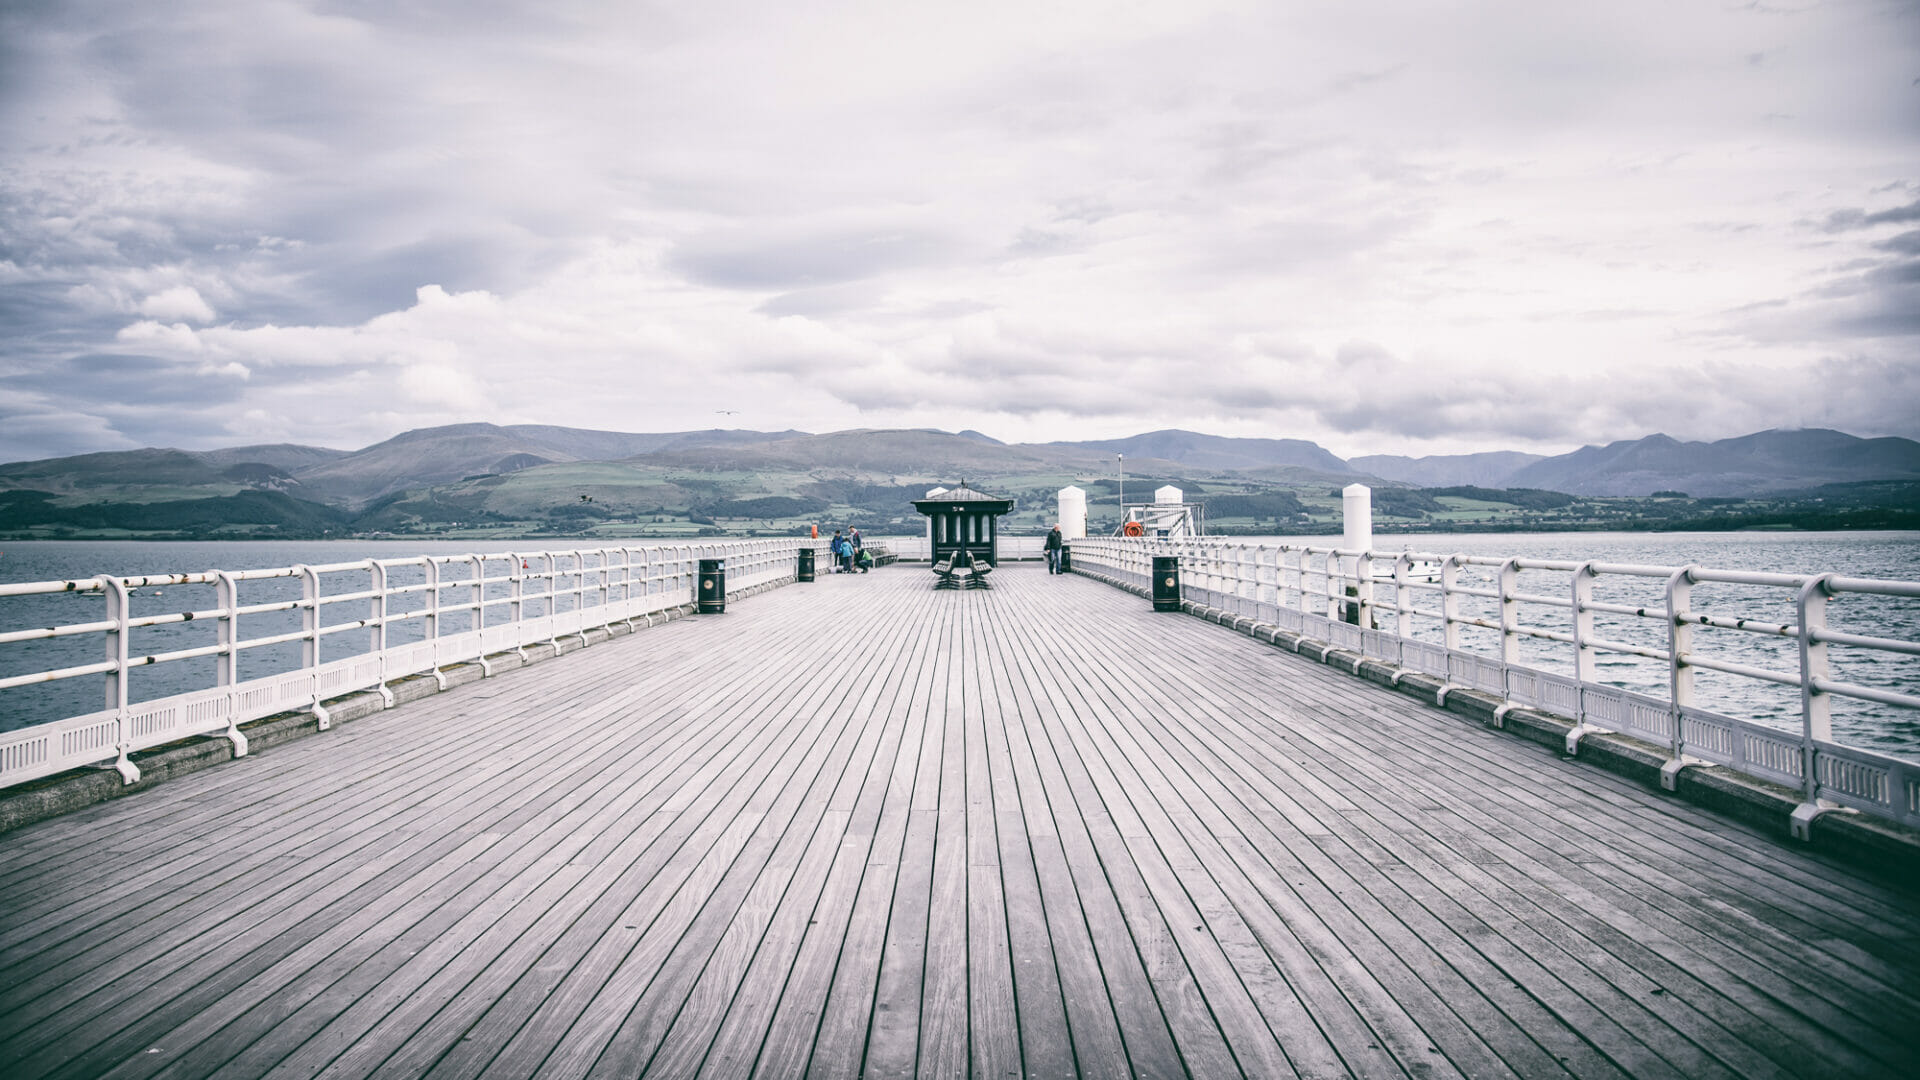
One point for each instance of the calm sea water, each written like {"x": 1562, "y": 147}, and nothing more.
{"x": 1888, "y": 555}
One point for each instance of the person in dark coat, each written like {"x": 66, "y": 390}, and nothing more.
{"x": 1053, "y": 545}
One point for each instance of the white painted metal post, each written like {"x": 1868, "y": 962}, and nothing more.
{"x": 119, "y": 611}
{"x": 310, "y": 638}
{"x": 226, "y": 596}
{"x": 377, "y": 607}
{"x": 1450, "y": 602}
{"x": 1816, "y": 708}
{"x": 1583, "y": 663}
{"x": 1403, "y": 595}
{"x": 516, "y": 587}
{"x": 479, "y": 596}
{"x": 432, "y": 571}
{"x": 1509, "y": 612}
{"x": 226, "y": 663}
{"x": 1679, "y": 649}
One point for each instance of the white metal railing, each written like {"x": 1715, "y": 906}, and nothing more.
{"x": 356, "y": 625}
{"x": 1459, "y": 618}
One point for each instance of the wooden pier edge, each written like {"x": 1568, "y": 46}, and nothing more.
{"x": 1883, "y": 849}
{"x": 75, "y": 789}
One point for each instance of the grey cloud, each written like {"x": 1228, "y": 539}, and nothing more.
{"x": 1907, "y": 243}
{"x": 1848, "y": 220}
{"x": 751, "y": 261}
{"x": 1882, "y": 302}
{"x": 131, "y": 380}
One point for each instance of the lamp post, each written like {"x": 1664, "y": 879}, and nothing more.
{"x": 1120, "y": 469}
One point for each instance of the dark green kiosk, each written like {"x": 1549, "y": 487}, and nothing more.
{"x": 965, "y": 535}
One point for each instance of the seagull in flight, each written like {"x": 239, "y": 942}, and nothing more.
{"x": 728, "y": 412}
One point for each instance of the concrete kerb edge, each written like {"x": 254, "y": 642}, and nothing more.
{"x": 1881, "y": 847}
{"x": 76, "y": 789}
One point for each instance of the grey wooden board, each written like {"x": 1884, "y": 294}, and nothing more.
{"x": 862, "y": 826}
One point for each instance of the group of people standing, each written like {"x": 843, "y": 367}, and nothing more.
{"x": 849, "y": 554}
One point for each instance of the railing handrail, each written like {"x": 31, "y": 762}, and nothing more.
{"x": 1352, "y": 599}
{"x": 574, "y": 591}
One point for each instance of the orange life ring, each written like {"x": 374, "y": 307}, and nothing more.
{"x": 1133, "y": 528}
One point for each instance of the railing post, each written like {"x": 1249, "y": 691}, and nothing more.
{"x": 1679, "y": 649}
{"x": 1583, "y": 662}
{"x": 226, "y": 663}
{"x": 119, "y": 611}
{"x": 1680, "y": 674}
{"x": 1363, "y": 589}
{"x": 432, "y": 570}
{"x": 1816, "y": 708}
{"x": 432, "y": 631}
{"x": 226, "y": 630}
{"x": 1509, "y": 612}
{"x": 626, "y": 585}
{"x": 310, "y": 638}
{"x": 603, "y": 579}
{"x": 377, "y": 608}
{"x": 516, "y": 588}
{"x": 1335, "y": 592}
{"x": 479, "y": 597}
{"x": 1450, "y": 602}
{"x": 1403, "y": 595}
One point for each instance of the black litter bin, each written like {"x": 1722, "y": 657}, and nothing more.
{"x": 1166, "y": 583}
{"x": 712, "y": 596}
{"x": 806, "y": 564}
{"x": 1066, "y": 560}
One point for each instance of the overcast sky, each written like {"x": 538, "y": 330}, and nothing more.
{"x": 1389, "y": 227}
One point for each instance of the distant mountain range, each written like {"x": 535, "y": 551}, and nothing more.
{"x": 1761, "y": 463}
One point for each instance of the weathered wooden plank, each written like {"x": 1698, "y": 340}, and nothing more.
{"x": 798, "y": 1016}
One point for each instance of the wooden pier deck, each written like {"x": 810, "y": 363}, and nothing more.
{"x": 860, "y": 827}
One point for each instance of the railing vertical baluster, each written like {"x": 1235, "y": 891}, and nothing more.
{"x": 432, "y": 620}
{"x": 1450, "y": 602}
{"x": 226, "y": 631}
{"x": 478, "y": 596}
{"x": 1816, "y": 708}
{"x": 377, "y": 608}
{"x": 1363, "y": 589}
{"x": 1509, "y": 612}
{"x": 310, "y": 639}
{"x": 1403, "y": 595}
{"x": 226, "y": 664}
{"x": 119, "y": 611}
{"x": 1679, "y": 669}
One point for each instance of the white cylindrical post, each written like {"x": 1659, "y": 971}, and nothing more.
{"x": 1356, "y": 526}
{"x": 1073, "y": 513}
{"x": 1356, "y": 517}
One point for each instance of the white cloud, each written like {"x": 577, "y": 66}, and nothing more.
{"x": 180, "y": 303}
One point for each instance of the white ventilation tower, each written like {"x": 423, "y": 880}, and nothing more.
{"x": 1073, "y": 513}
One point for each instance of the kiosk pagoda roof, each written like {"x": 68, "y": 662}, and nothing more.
{"x": 964, "y": 499}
